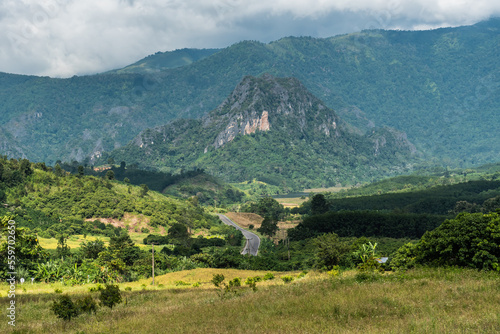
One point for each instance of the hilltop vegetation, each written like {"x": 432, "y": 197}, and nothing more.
{"x": 273, "y": 130}
{"x": 51, "y": 203}
{"x": 440, "y": 87}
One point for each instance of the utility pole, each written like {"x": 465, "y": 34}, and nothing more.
{"x": 153, "y": 261}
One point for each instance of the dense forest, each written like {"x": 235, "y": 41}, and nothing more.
{"x": 303, "y": 143}
{"x": 439, "y": 86}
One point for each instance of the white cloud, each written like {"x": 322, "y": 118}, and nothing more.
{"x": 67, "y": 37}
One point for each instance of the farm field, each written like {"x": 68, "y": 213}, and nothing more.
{"x": 418, "y": 301}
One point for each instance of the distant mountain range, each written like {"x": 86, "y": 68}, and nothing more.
{"x": 274, "y": 130}
{"x": 440, "y": 87}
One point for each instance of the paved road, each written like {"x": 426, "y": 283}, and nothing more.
{"x": 253, "y": 241}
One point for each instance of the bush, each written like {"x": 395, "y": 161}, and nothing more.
{"x": 268, "y": 276}
{"x": 405, "y": 257}
{"x": 110, "y": 296}
{"x": 250, "y": 281}
{"x": 287, "y": 279}
{"x": 64, "y": 308}
{"x": 87, "y": 305}
{"x": 235, "y": 282}
{"x": 469, "y": 240}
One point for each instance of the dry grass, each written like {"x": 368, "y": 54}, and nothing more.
{"x": 330, "y": 189}
{"x": 435, "y": 301}
{"x": 245, "y": 219}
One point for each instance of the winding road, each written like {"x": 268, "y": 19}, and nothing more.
{"x": 253, "y": 241}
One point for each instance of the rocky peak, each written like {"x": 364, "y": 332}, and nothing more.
{"x": 267, "y": 102}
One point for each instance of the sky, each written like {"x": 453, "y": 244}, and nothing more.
{"x": 62, "y": 38}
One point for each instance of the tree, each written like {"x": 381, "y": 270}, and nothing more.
{"x": 110, "y": 175}
{"x": 267, "y": 207}
{"x": 25, "y": 167}
{"x": 58, "y": 170}
{"x": 27, "y": 251}
{"x": 91, "y": 249}
{"x": 62, "y": 249}
{"x": 81, "y": 171}
{"x": 110, "y": 296}
{"x": 268, "y": 227}
{"x": 179, "y": 233}
{"x": 144, "y": 190}
{"x": 318, "y": 204}
{"x": 469, "y": 240}
{"x": 64, "y": 308}
{"x": 330, "y": 250}
{"x": 124, "y": 248}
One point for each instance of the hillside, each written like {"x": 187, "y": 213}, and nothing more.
{"x": 440, "y": 87}
{"x": 274, "y": 130}
{"x": 53, "y": 202}
{"x": 166, "y": 60}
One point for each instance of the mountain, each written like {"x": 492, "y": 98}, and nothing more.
{"x": 166, "y": 60}
{"x": 274, "y": 130}
{"x": 441, "y": 87}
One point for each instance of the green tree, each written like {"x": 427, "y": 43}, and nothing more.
{"x": 144, "y": 190}
{"x": 58, "y": 171}
{"x": 268, "y": 227}
{"x": 62, "y": 249}
{"x": 318, "y": 204}
{"x": 110, "y": 296}
{"x": 27, "y": 248}
{"x": 469, "y": 240}
{"x": 64, "y": 308}
{"x": 81, "y": 171}
{"x": 124, "y": 248}
{"x": 267, "y": 207}
{"x": 178, "y": 233}
{"x": 110, "y": 175}
{"x": 330, "y": 250}
{"x": 91, "y": 249}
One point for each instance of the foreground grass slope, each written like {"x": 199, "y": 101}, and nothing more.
{"x": 420, "y": 301}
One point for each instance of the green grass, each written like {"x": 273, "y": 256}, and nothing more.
{"x": 420, "y": 301}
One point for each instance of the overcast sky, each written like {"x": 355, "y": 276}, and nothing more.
{"x": 62, "y": 38}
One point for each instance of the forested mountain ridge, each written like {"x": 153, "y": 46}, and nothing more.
{"x": 441, "y": 87}
{"x": 274, "y": 130}
{"x": 166, "y": 60}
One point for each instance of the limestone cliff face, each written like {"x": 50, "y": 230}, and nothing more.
{"x": 267, "y": 103}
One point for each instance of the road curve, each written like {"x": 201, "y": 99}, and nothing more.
{"x": 253, "y": 241}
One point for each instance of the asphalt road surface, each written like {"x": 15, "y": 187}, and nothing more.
{"x": 253, "y": 241}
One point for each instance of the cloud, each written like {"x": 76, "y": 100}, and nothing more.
{"x": 68, "y": 37}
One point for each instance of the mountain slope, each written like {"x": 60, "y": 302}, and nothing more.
{"x": 441, "y": 87}
{"x": 166, "y": 60}
{"x": 274, "y": 130}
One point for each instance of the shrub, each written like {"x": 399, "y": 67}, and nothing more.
{"x": 181, "y": 283}
{"x": 235, "y": 282}
{"x": 287, "y": 279}
{"x": 250, "y": 281}
{"x": 268, "y": 276}
{"x": 128, "y": 288}
{"x": 302, "y": 274}
{"x": 64, "y": 308}
{"x": 110, "y": 296}
{"x": 217, "y": 280}
{"x": 87, "y": 305}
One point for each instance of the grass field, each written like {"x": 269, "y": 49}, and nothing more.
{"x": 420, "y": 301}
